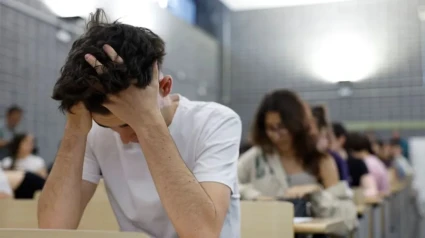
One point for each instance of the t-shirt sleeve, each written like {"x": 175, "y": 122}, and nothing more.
{"x": 6, "y": 163}
{"x": 91, "y": 168}
{"x": 4, "y": 184}
{"x": 39, "y": 164}
{"x": 362, "y": 168}
{"x": 218, "y": 150}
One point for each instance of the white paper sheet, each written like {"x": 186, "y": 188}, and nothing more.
{"x": 302, "y": 219}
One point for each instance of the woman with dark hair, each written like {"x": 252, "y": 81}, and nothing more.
{"x": 359, "y": 146}
{"x": 22, "y": 158}
{"x": 25, "y": 172}
{"x": 326, "y": 140}
{"x": 285, "y": 161}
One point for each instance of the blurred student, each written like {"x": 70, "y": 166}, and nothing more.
{"x": 326, "y": 136}
{"x": 359, "y": 146}
{"x": 400, "y": 163}
{"x": 382, "y": 149}
{"x": 5, "y": 189}
{"x": 9, "y": 127}
{"x": 285, "y": 161}
{"x": 22, "y": 158}
{"x": 24, "y": 184}
{"x": 403, "y": 143}
{"x": 358, "y": 173}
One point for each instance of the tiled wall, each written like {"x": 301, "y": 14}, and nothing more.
{"x": 31, "y": 56}
{"x": 280, "y": 41}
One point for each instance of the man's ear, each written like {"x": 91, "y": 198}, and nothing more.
{"x": 165, "y": 85}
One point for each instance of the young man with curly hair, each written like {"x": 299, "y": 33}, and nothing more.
{"x": 169, "y": 164}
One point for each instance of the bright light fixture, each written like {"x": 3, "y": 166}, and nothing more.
{"x": 344, "y": 57}
{"x": 135, "y": 12}
{"x": 69, "y": 8}
{"x": 163, "y": 3}
{"x": 242, "y": 5}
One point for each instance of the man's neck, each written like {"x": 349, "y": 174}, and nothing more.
{"x": 286, "y": 153}
{"x": 169, "y": 111}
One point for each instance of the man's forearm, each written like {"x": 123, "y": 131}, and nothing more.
{"x": 59, "y": 204}
{"x": 187, "y": 204}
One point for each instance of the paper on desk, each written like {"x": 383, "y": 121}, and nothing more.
{"x": 302, "y": 219}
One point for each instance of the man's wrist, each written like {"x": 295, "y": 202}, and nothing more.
{"x": 71, "y": 128}
{"x": 147, "y": 120}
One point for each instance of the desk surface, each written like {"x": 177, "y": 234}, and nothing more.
{"x": 318, "y": 226}
{"x": 373, "y": 200}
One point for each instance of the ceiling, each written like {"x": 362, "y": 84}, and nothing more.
{"x": 241, "y": 5}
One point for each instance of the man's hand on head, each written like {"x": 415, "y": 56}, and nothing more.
{"x": 134, "y": 106}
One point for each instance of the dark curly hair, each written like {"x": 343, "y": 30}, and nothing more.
{"x": 297, "y": 119}
{"x": 14, "y": 147}
{"x": 139, "y": 48}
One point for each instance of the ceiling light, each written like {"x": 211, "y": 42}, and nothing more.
{"x": 344, "y": 57}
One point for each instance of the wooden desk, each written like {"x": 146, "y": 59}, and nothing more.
{"x": 269, "y": 219}
{"x": 23, "y": 213}
{"x": 318, "y": 226}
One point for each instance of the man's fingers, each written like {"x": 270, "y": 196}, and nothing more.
{"x": 97, "y": 65}
{"x": 113, "y": 55}
{"x": 94, "y": 63}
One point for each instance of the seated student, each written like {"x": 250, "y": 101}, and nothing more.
{"x": 358, "y": 173}
{"x": 21, "y": 158}
{"x": 24, "y": 184}
{"x": 325, "y": 140}
{"x": 285, "y": 161}
{"x": 169, "y": 163}
{"x": 5, "y": 189}
{"x": 9, "y": 127}
{"x": 359, "y": 147}
{"x": 380, "y": 148}
{"x": 400, "y": 163}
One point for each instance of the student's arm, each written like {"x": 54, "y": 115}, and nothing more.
{"x": 41, "y": 167}
{"x": 196, "y": 203}
{"x": 42, "y": 172}
{"x": 5, "y": 188}
{"x": 65, "y": 194}
{"x": 328, "y": 172}
{"x": 367, "y": 181}
{"x": 368, "y": 184}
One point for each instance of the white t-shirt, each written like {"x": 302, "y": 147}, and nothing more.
{"x": 4, "y": 184}
{"x": 31, "y": 163}
{"x": 207, "y": 136}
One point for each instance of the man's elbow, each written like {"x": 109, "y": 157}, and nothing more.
{"x": 54, "y": 223}
{"x": 204, "y": 232}
{"x": 205, "y": 228}
{"x": 54, "y": 220}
